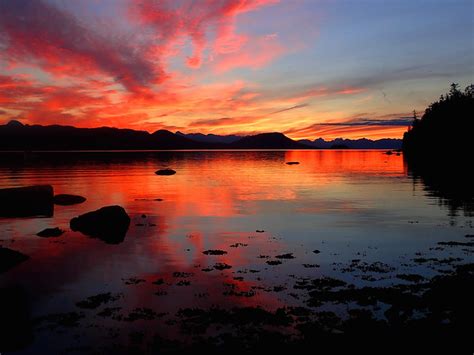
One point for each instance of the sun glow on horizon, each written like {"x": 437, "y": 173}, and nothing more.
{"x": 223, "y": 67}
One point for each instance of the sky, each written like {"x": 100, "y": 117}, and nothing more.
{"x": 307, "y": 68}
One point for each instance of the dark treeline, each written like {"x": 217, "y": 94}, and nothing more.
{"x": 438, "y": 150}
{"x": 445, "y": 129}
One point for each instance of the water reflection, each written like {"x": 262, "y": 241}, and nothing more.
{"x": 347, "y": 204}
{"x": 449, "y": 184}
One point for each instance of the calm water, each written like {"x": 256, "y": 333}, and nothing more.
{"x": 347, "y": 204}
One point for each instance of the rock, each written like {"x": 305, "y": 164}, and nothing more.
{"x": 165, "y": 172}
{"x": 67, "y": 200}
{"x": 27, "y": 201}
{"x": 222, "y": 266}
{"x": 110, "y": 224}
{"x": 214, "y": 252}
{"x": 292, "y": 162}
{"x": 50, "y": 232}
{"x": 285, "y": 256}
{"x": 94, "y": 302}
{"x": 10, "y": 258}
{"x": 273, "y": 262}
{"x": 308, "y": 266}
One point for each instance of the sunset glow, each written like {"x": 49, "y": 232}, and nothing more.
{"x": 308, "y": 69}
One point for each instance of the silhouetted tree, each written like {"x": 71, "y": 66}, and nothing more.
{"x": 438, "y": 149}
{"x": 445, "y": 127}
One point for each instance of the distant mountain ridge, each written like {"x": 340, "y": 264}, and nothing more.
{"x": 319, "y": 143}
{"x": 210, "y": 138}
{"x": 272, "y": 140}
{"x": 363, "y": 143}
{"x": 17, "y": 136}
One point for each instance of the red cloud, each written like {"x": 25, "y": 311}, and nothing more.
{"x": 175, "y": 20}
{"x": 88, "y": 61}
{"x": 350, "y": 132}
{"x": 35, "y": 32}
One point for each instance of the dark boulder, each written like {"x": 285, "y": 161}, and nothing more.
{"x": 165, "y": 172}
{"x": 27, "y": 201}
{"x": 10, "y": 258}
{"x": 110, "y": 224}
{"x": 67, "y": 200}
{"x": 50, "y": 232}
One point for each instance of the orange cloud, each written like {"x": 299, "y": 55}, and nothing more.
{"x": 169, "y": 64}
{"x": 350, "y": 132}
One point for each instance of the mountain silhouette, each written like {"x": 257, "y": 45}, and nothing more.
{"x": 273, "y": 140}
{"x": 15, "y": 136}
{"x": 363, "y": 143}
{"x": 319, "y": 143}
{"x": 210, "y": 138}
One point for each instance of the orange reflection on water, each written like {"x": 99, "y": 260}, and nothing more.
{"x": 350, "y": 162}
{"x": 206, "y": 205}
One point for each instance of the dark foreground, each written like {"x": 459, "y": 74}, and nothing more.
{"x": 422, "y": 312}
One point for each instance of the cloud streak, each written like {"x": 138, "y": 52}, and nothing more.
{"x": 369, "y": 122}
{"x": 289, "y": 109}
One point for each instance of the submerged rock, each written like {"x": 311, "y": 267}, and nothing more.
{"x": 222, "y": 266}
{"x": 93, "y": 302}
{"x": 214, "y": 252}
{"x": 10, "y": 258}
{"x": 285, "y": 256}
{"x": 27, "y": 201}
{"x": 109, "y": 224}
{"x": 67, "y": 200}
{"x": 165, "y": 172}
{"x": 50, "y": 232}
{"x": 273, "y": 262}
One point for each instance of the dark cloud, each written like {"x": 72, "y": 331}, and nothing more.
{"x": 356, "y": 123}
{"x": 289, "y": 109}
{"x": 400, "y": 121}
